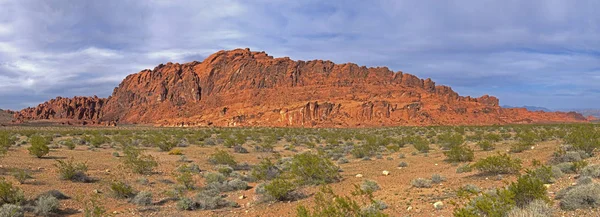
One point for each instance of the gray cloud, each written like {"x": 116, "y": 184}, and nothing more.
{"x": 526, "y": 52}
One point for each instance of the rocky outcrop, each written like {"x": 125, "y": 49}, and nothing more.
{"x": 245, "y": 88}
{"x": 76, "y": 108}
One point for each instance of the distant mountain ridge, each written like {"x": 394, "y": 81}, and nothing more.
{"x": 585, "y": 112}
{"x": 530, "y": 108}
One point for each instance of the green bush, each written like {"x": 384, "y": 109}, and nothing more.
{"x": 69, "y": 170}
{"x": 9, "y": 193}
{"x": 21, "y": 175}
{"x": 498, "y": 164}
{"x": 526, "y": 189}
{"x": 591, "y": 171}
{"x": 222, "y": 157}
{"x": 465, "y": 168}
{"x": 214, "y": 178}
{"x": 493, "y": 204}
{"x": 279, "y": 189}
{"x": 186, "y": 204}
{"x": 186, "y": 179}
{"x": 422, "y": 145}
{"x": 93, "y": 208}
{"x": 39, "y": 146}
{"x": 122, "y": 190}
{"x": 138, "y": 162}
{"x": 69, "y": 144}
{"x": 265, "y": 170}
{"x": 329, "y": 204}
{"x": 6, "y": 141}
{"x": 459, "y": 153}
{"x": 486, "y": 145}
{"x": 310, "y": 168}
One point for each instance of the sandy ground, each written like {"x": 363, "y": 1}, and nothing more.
{"x": 396, "y": 191}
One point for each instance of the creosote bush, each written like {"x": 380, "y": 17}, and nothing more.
{"x": 498, "y": 164}
{"x": 69, "y": 170}
{"x": 122, "y": 190}
{"x": 222, "y": 157}
{"x": 314, "y": 169}
{"x": 329, "y": 204}
{"x": 459, "y": 153}
{"x": 39, "y": 146}
{"x": 138, "y": 162}
{"x": 10, "y": 193}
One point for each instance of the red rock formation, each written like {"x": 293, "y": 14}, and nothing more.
{"x": 76, "y": 108}
{"x": 244, "y": 88}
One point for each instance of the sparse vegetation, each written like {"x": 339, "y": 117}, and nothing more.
{"x": 69, "y": 170}
{"x": 498, "y": 164}
{"x": 39, "y": 146}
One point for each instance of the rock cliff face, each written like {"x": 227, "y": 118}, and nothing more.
{"x": 244, "y": 88}
{"x": 76, "y": 108}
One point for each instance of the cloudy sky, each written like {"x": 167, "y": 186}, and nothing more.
{"x": 536, "y": 52}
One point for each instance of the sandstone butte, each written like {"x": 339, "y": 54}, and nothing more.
{"x": 245, "y": 88}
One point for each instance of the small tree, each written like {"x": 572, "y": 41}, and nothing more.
{"x": 39, "y": 146}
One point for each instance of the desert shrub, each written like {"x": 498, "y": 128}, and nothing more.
{"x": 421, "y": 183}
{"x": 498, "y": 164}
{"x": 122, "y": 190}
{"x": 499, "y": 202}
{"x": 211, "y": 199}
{"x": 175, "y": 152}
{"x": 9, "y": 193}
{"x": 6, "y": 140}
{"x": 329, "y": 204}
{"x": 580, "y": 196}
{"x": 486, "y": 145}
{"x": 450, "y": 140}
{"x": 214, "y": 178}
{"x": 591, "y": 171}
{"x": 402, "y": 164}
{"x": 496, "y": 203}
{"x": 265, "y": 170}
{"x": 94, "y": 208}
{"x": 21, "y": 175}
{"x": 313, "y": 169}
{"x": 222, "y": 157}
{"x": 437, "y": 178}
{"x": 537, "y": 208}
{"x": 192, "y": 168}
{"x": 459, "y": 153}
{"x": 278, "y": 189}
{"x": 46, "y": 205}
{"x": 143, "y": 198}
{"x": 369, "y": 186}
{"x": 546, "y": 174}
{"x": 528, "y": 188}
{"x": 185, "y": 179}
{"x": 186, "y": 204}
{"x": 240, "y": 149}
{"x": 138, "y": 162}
{"x": 237, "y": 185}
{"x": 54, "y": 193}
{"x": 465, "y": 168}
{"x": 69, "y": 170}
{"x": 467, "y": 190}
{"x": 422, "y": 145}
{"x": 224, "y": 169}
{"x": 69, "y": 144}
{"x": 39, "y": 146}
{"x": 520, "y": 146}
{"x": 374, "y": 209}
{"x": 11, "y": 210}
{"x": 342, "y": 160}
